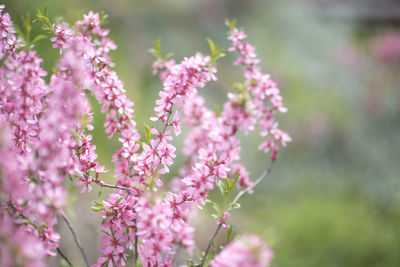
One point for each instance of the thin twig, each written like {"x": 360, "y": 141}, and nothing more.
{"x": 24, "y": 217}
{"x": 209, "y": 245}
{"x": 100, "y": 183}
{"x": 235, "y": 200}
{"x": 78, "y": 243}
{"x": 64, "y": 257}
{"x": 247, "y": 189}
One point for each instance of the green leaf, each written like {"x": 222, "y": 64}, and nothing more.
{"x": 213, "y": 245}
{"x": 232, "y": 183}
{"x": 229, "y": 233}
{"x": 168, "y": 56}
{"x": 147, "y": 133}
{"x": 138, "y": 142}
{"x": 105, "y": 232}
{"x": 215, "y": 51}
{"x": 214, "y": 205}
{"x": 237, "y": 236}
{"x": 234, "y": 205}
{"x": 118, "y": 201}
{"x": 63, "y": 263}
{"x": 222, "y": 187}
{"x": 97, "y": 206}
{"x": 44, "y": 19}
{"x": 103, "y": 18}
{"x": 156, "y": 50}
{"x": 105, "y": 219}
{"x": 230, "y": 23}
{"x": 38, "y": 38}
{"x": 190, "y": 263}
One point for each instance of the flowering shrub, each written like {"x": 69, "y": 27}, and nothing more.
{"x": 45, "y": 139}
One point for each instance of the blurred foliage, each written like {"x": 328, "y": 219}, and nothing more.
{"x": 332, "y": 198}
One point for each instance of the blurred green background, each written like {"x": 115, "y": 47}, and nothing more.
{"x": 333, "y": 196}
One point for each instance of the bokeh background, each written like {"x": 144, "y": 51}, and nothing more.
{"x": 332, "y": 198}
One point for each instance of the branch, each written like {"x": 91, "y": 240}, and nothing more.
{"x": 247, "y": 189}
{"x": 24, "y": 217}
{"x": 209, "y": 245}
{"x": 101, "y": 184}
{"x": 78, "y": 243}
{"x": 64, "y": 257}
{"x": 236, "y": 199}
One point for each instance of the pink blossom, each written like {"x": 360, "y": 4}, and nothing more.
{"x": 248, "y": 250}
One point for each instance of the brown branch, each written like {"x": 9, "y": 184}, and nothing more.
{"x": 64, "y": 257}
{"x": 102, "y": 184}
{"x": 209, "y": 245}
{"x": 235, "y": 200}
{"x": 9, "y": 204}
{"x": 77, "y": 242}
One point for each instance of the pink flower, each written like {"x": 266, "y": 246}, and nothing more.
{"x": 223, "y": 220}
{"x": 85, "y": 183}
{"x": 247, "y": 251}
{"x": 176, "y": 124}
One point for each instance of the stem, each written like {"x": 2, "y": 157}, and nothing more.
{"x": 101, "y": 184}
{"x": 209, "y": 245}
{"x": 136, "y": 254}
{"x": 64, "y": 257}
{"x": 24, "y": 217}
{"x": 247, "y": 189}
{"x": 78, "y": 243}
{"x": 236, "y": 199}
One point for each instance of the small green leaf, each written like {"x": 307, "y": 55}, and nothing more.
{"x": 44, "y": 19}
{"x": 156, "y": 50}
{"x": 230, "y": 23}
{"x": 168, "y": 56}
{"x": 38, "y": 38}
{"x": 215, "y": 51}
{"x": 237, "y": 236}
{"x": 105, "y": 232}
{"x": 97, "y": 206}
{"x": 63, "y": 263}
{"x": 138, "y": 142}
{"x": 215, "y": 206}
{"x": 234, "y": 205}
{"x": 103, "y": 18}
{"x": 213, "y": 245}
{"x": 222, "y": 187}
{"x": 232, "y": 183}
{"x": 105, "y": 219}
{"x": 229, "y": 233}
{"x": 118, "y": 201}
{"x": 147, "y": 133}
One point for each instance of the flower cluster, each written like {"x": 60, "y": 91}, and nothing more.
{"x": 265, "y": 98}
{"x": 44, "y": 121}
{"x": 44, "y": 131}
{"x": 247, "y": 251}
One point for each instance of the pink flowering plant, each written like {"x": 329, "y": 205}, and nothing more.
{"x": 46, "y": 144}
